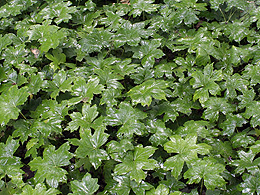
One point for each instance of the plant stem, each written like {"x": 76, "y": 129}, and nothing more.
{"x": 201, "y": 186}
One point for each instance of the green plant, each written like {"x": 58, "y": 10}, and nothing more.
{"x": 129, "y": 97}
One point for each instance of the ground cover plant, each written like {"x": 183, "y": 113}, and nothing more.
{"x": 151, "y": 97}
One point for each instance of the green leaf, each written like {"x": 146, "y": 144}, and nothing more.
{"x": 60, "y": 11}
{"x": 109, "y": 97}
{"x": 148, "y": 52}
{"x": 23, "y": 130}
{"x": 241, "y": 139}
{"x": 9, "y": 100}
{"x": 246, "y": 162}
{"x": 142, "y": 74}
{"x": 215, "y": 106}
{"x": 250, "y": 184}
{"x": 251, "y": 73}
{"x": 233, "y": 83}
{"x": 36, "y": 83}
{"x": 112, "y": 21}
{"x": 124, "y": 67}
{"x": 171, "y": 109}
{"x": 253, "y": 112}
{"x": 131, "y": 34}
{"x": 237, "y": 30}
{"x": 49, "y": 167}
{"x": 40, "y": 189}
{"x": 231, "y": 122}
{"x": 9, "y": 164}
{"x": 57, "y": 58}
{"x": 49, "y": 115}
{"x": 256, "y": 16}
{"x": 15, "y": 55}
{"x": 61, "y": 82}
{"x": 117, "y": 150}
{"x": 172, "y": 183}
{"x": 160, "y": 190}
{"x": 159, "y": 132}
{"x": 86, "y": 91}
{"x": 255, "y": 148}
{"x": 164, "y": 68}
{"x": 143, "y": 93}
{"x": 140, "y": 6}
{"x": 137, "y": 161}
{"x": 5, "y": 41}
{"x": 208, "y": 170}
{"x": 246, "y": 99}
{"x": 187, "y": 10}
{"x": 87, "y": 186}
{"x": 109, "y": 79}
{"x": 90, "y": 5}
{"x": 222, "y": 148}
{"x": 124, "y": 185}
{"x": 83, "y": 120}
{"x": 95, "y": 41}
{"x": 89, "y": 145}
{"x": 101, "y": 62}
{"x": 14, "y": 8}
{"x": 204, "y": 83}
{"x": 186, "y": 150}
{"x": 48, "y": 35}
{"x": 128, "y": 117}
{"x": 191, "y": 127}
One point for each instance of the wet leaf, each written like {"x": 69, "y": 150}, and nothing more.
{"x": 89, "y": 145}
{"x": 185, "y": 149}
{"x": 9, "y": 100}
{"x": 87, "y": 186}
{"x": 49, "y": 167}
{"x": 137, "y": 161}
{"x": 143, "y": 93}
{"x": 207, "y": 170}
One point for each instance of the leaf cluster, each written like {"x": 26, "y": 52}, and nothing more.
{"x": 129, "y": 97}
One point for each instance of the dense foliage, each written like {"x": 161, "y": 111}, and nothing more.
{"x": 151, "y": 97}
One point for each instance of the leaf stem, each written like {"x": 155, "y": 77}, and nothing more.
{"x": 231, "y": 15}
{"x": 223, "y": 15}
{"x": 23, "y": 116}
{"x": 201, "y": 186}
